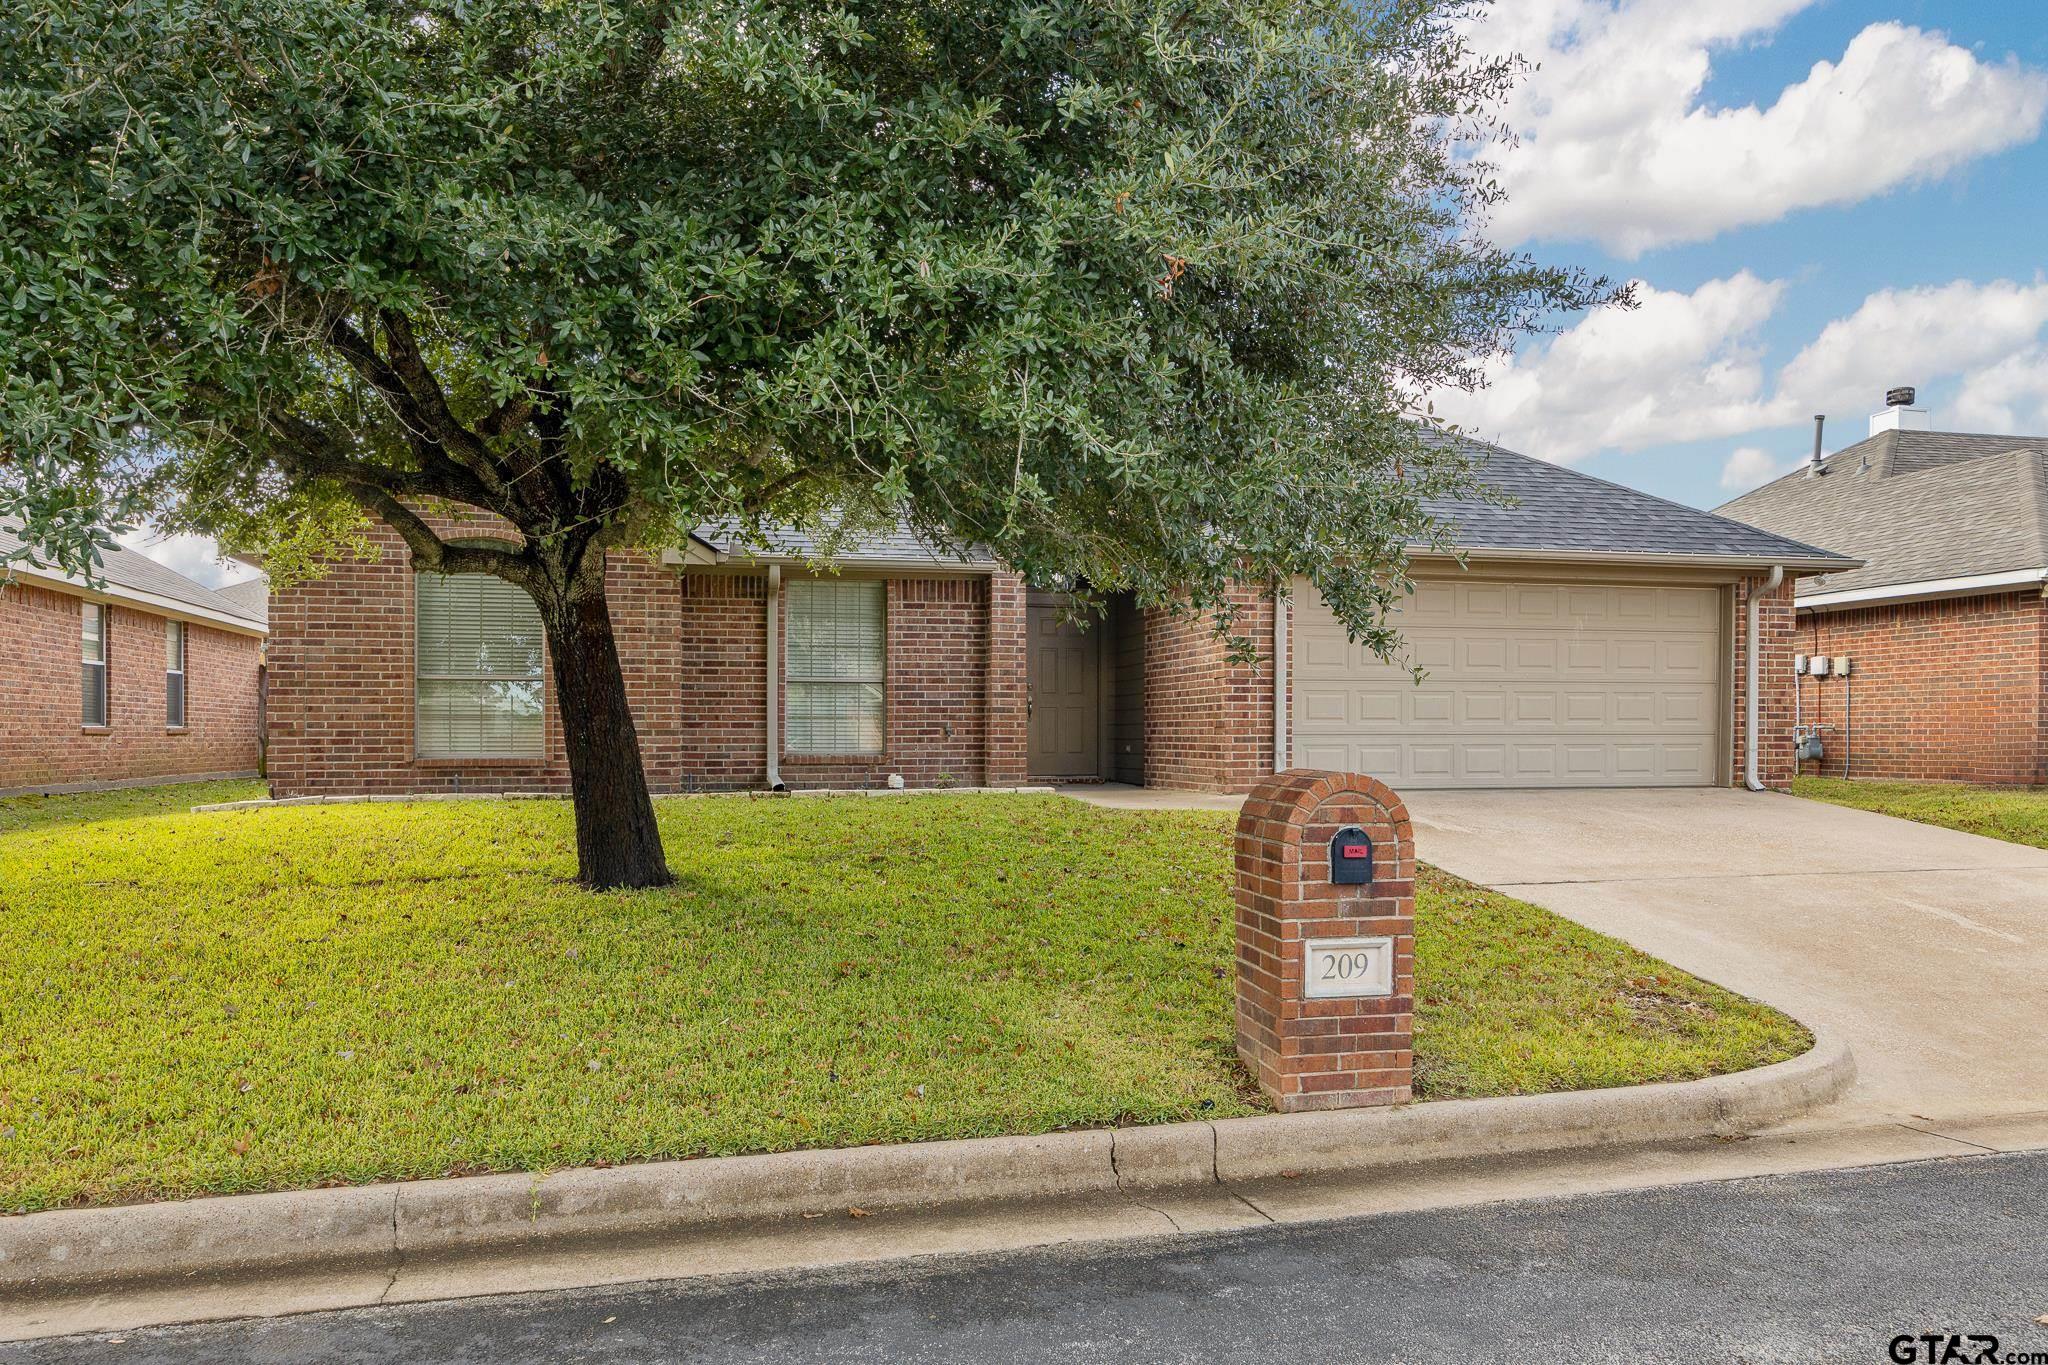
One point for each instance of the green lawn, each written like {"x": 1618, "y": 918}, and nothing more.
{"x": 312, "y": 995}
{"x": 2018, "y": 815}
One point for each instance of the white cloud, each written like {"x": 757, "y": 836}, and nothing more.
{"x": 2009, "y": 397}
{"x": 1748, "y": 467}
{"x": 1916, "y": 336}
{"x": 1690, "y": 366}
{"x": 196, "y": 557}
{"x": 1618, "y": 146}
{"x": 1680, "y": 366}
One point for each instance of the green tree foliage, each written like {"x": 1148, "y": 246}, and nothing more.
{"x": 1136, "y": 293}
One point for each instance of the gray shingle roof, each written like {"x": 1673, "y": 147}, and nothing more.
{"x": 1916, "y": 506}
{"x": 1565, "y": 512}
{"x": 1555, "y": 510}
{"x": 252, "y": 595}
{"x": 900, "y": 545}
{"x": 126, "y": 572}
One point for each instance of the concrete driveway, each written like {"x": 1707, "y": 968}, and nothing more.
{"x": 1927, "y": 950}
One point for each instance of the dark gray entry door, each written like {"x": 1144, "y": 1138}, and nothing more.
{"x": 1065, "y": 678}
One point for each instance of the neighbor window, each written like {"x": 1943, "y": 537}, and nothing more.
{"x": 174, "y": 673}
{"x": 93, "y": 674}
{"x": 478, "y": 669}
{"x": 835, "y": 668}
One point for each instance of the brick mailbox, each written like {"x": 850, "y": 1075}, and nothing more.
{"x": 1326, "y": 940}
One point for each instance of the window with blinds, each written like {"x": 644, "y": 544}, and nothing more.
{"x": 92, "y": 708}
{"x": 477, "y": 668}
{"x": 836, "y": 656}
{"x": 174, "y": 673}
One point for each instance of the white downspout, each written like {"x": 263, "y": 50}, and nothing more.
{"x": 1756, "y": 596}
{"x": 774, "y": 671}
{"x": 1280, "y": 755}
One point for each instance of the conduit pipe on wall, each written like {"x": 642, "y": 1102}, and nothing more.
{"x": 774, "y": 672}
{"x": 1756, "y": 597}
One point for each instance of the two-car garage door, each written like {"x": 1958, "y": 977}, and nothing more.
{"x": 1526, "y": 684}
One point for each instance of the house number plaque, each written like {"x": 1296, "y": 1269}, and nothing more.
{"x": 1347, "y": 968}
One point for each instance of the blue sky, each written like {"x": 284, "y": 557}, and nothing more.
{"x": 1805, "y": 236}
{"x": 1805, "y": 239}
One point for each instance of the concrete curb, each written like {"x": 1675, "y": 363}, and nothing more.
{"x": 384, "y": 1226}
{"x": 399, "y": 798}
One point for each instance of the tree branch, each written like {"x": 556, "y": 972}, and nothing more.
{"x": 435, "y": 555}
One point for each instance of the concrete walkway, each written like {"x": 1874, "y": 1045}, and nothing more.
{"x": 1925, "y": 949}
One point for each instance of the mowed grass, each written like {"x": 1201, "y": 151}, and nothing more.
{"x": 315, "y": 995}
{"x": 2018, "y": 815}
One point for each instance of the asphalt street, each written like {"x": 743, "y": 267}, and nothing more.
{"x": 1821, "y": 1267}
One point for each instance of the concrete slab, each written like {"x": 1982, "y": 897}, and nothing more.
{"x": 1117, "y": 796}
{"x": 1922, "y": 948}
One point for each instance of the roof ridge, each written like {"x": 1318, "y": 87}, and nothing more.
{"x": 2030, "y": 462}
{"x": 1584, "y": 477}
{"x": 197, "y": 594}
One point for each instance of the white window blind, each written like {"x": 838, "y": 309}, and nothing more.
{"x": 174, "y": 673}
{"x": 477, "y": 667}
{"x": 836, "y": 661}
{"x": 92, "y": 708}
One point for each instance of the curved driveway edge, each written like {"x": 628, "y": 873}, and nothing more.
{"x": 384, "y": 1226}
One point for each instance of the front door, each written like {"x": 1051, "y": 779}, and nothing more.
{"x": 1065, "y": 696}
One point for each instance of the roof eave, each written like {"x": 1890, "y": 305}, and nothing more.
{"x": 1925, "y": 590}
{"x": 1792, "y": 563}
{"x": 155, "y": 602}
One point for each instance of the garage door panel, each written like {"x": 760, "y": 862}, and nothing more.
{"x": 1526, "y": 685}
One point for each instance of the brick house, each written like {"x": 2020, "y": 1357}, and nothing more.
{"x": 1597, "y": 638}
{"x": 1944, "y": 627}
{"x": 147, "y": 677}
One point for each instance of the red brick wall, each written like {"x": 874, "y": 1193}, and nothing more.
{"x": 693, "y": 649}
{"x": 341, "y": 680}
{"x": 1938, "y": 691}
{"x": 723, "y": 680}
{"x": 1776, "y": 628}
{"x": 1005, "y": 743}
{"x": 1208, "y": 721}
{"x": 42, "y": 742}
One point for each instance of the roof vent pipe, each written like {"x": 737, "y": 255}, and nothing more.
{"x": 1814, "y": 467}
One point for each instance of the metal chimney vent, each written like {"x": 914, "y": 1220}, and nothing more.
{"x": 1901, "y": 397}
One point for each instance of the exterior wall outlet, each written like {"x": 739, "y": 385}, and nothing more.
{"x": 1841, "y": 665}
{"x": 1799, "y": 663}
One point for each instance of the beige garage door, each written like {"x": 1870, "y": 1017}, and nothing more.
{"x": 1527, "y": 685}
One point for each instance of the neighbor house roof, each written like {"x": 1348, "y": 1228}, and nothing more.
{"x": 1559, "y": 513}
{"x": 252, "y": 595}
{"x": 1927, "y": 511}
{"x": 126, "y": 576}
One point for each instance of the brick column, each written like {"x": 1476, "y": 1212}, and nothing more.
{"x": 1343, "y": 1037}
{"x": 1004, "y": 762}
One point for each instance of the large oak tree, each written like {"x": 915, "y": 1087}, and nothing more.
{"x": 1136, "y": 293}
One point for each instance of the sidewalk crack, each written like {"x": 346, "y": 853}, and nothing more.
{"x": 397, "y": 1252}
{"x": 1951, "y": 1137}
{"x": 1253, "y": 1207}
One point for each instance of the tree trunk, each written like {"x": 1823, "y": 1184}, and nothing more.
{"x": 617, "y": 842}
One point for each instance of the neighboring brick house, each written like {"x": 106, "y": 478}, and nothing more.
{"x": 1598, "y": 638}
{"x": 1944, "y": 627}
{"x": 146, "y": 677}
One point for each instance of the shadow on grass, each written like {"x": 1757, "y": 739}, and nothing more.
{"x": 21, "y": 814}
